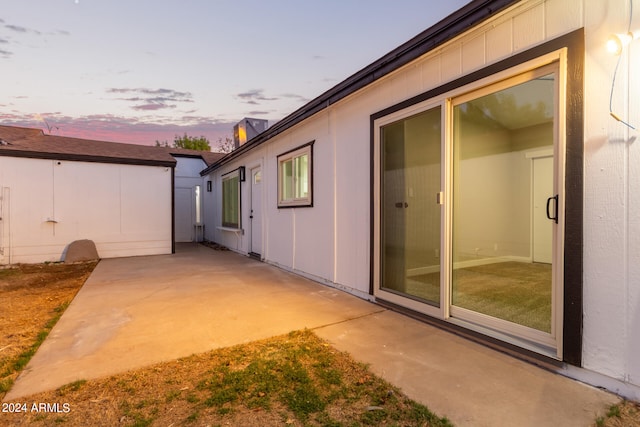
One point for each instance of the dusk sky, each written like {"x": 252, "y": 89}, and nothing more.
{"x": 138, "y": 71}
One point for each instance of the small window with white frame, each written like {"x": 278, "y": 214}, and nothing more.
{"x": 295, "y": 173}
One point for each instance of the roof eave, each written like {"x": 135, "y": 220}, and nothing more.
{"x": 85, "y": 158}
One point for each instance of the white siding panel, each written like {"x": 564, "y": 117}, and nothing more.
{"x": 431, "y": 76}
{"x": 352, "y": 200}
{"x": 314, "y": 235}
{"x": 394, "y": 90}
{"x": 280, "y": 241}
{"x": 609, "y": 287}
{"x": 528, "y": 28}
{"x": 633, "y": 257}
{"x": 499, "y": 41}
{"x": 413, "y": 81}
{"x": 561, "y": 15}
{"x": 451, "y": 62}
{"x": 473, "y": 53}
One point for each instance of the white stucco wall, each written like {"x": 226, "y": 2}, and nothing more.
{"x": 331, "y": 241}
{"x": 124, "y": 209}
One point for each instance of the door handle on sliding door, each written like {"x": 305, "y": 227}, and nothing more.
{"x": 555, "y": 216}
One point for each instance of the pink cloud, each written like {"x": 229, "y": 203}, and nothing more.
{"x": 122, "y": 129}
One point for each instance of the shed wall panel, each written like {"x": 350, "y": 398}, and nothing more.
{"x": 124, "y": 209}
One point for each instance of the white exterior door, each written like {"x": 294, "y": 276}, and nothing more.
{"x": 255, "y": 214}
{"x": 184, "y": 215}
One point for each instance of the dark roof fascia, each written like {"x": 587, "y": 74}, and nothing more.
{"x": 85, "y": 158}
{"x": 443, "y": 31}
{"x": 190, "y": 156}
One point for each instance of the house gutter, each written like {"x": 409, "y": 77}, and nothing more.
{"x": 438, "y": 34}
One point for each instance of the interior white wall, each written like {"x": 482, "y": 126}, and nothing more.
{"x": 611, "y": 338}
{"x": 124, "y": 209}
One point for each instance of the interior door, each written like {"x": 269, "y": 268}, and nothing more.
{"x": 255, "y": 214}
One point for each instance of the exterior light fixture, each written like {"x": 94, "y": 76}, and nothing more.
{"x": 208, "y": 186}
{"x": 241, "y": 174}
{"x": 617, "y": 42}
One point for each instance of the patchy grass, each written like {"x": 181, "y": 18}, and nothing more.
{"x": 295, "y": 379}
{"x": 625, "y": 414}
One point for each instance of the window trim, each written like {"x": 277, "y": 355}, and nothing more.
{"x": 225, "y": 177}
{"x": 299, "y": 151}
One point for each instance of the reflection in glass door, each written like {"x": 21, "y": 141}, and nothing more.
{"x": 410, "y": 214}
{"x": 496, "y": 280}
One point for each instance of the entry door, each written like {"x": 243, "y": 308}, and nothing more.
{"x": 255, "y": 214}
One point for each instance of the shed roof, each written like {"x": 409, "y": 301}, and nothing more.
{"x": 34, "y": 143}
{"x": 453, "y": 25}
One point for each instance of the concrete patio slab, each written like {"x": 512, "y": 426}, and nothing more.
{"x": 134, "y": 312}
{"x": 470, "y": 384}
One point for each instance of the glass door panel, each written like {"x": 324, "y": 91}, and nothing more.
{"x": 494, "y": 270}
{"x": 410, "y": 214}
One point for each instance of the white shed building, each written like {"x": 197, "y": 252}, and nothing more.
{"x": 54, "y": 190}
{"x": 473, "y": 177}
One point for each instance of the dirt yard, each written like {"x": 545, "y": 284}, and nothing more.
{"x": 31, "y": 295}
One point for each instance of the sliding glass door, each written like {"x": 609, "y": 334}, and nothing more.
{"x": 470, "y": 201}
{"x": 498, "y": 197}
